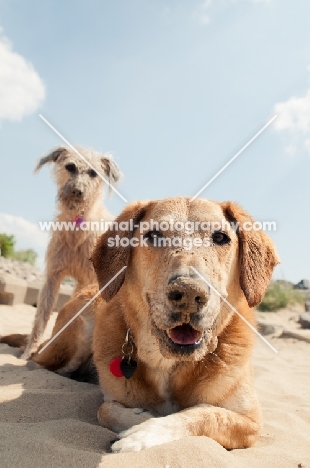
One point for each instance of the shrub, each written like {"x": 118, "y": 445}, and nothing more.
{"x": 279, "y": 296}
{"x": 6, "y": 245}
{"x": 28, "y": 256}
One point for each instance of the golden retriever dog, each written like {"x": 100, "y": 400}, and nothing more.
{"x": 173, "y": 358}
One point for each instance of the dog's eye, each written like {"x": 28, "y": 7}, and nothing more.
{"x": 71, "y": 168}
{"x": 220, "y": 238}
{"x": 152, "y": 236}
{"x": 92, "y": 173}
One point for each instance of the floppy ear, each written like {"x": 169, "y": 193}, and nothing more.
{"x": 258, "y": 255}
{"x": 51, "y": 157}
{"x": 111, "y": 170}
{"x": 109, "y": 259}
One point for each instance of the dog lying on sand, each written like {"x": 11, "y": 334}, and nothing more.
{"x": 173, "y": 359}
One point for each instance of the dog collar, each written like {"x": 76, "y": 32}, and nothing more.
{"x": 124, "y": 366}
{"x": 78, "y": 220}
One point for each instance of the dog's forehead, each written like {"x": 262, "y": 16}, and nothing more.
{"x": 182, "y": 209}
{"x": 83, "y": 159}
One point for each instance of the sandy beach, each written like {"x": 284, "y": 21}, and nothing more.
{"x": 47, "y": 420}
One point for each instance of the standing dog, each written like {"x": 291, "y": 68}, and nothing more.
{"x": 173, "y": 358}
{"x": 80, "y": 191}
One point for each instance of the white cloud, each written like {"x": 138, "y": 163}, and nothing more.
{"x": 294, "y": 118}
{"x": 199, "y": 14}
{"x": 21, "y": 88}
{"x": 28, "y": 235}
{"x": 294, "y": 114}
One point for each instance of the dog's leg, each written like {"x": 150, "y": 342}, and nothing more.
{"x": 15, "y": 340}
{"x": 116, "y": 417}
{"x": 82, "y": 283}
{"x": 230, "y": 429}
{"x": 84, "y": 277}
{"x": 59, "y": 356}
{"x": 46, "y": 303}
{"x": 72, "y": 342}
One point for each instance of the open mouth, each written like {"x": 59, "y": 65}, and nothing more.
{"x": 185, "y": 335}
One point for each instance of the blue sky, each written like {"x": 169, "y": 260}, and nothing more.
{"x": 173, "y": 89}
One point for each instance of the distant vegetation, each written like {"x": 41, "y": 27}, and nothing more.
{"x": 7, "y": 244}
{"x": 279, "y": 295}
{"x": 28, "y": 255}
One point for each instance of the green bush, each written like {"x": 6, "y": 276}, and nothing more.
{"x": 279, "y": 296}
{"x": 28, "y": 256}
{"x": 6, "y": 245}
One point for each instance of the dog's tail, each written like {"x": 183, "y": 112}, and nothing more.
{"x": 16, "y": 340}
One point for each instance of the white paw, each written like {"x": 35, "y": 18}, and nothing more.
{"x": 29, "y": 350}
{"x": 140, "y": 411}
{"x": 26, "y": 355}
{"x": 155, "y": 431}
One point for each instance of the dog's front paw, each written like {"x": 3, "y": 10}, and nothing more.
{"x": 26, "y": 355}
{"x": 155, "y": 431}
{"x": 117, "y": 418}
{"x": 29, "y": 350}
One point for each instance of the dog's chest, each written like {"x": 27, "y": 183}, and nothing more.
{"x": 159, "y": 372}
{"x": 162, "y": 381}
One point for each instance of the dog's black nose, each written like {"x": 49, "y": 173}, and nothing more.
{"x": 77, "y": 192}
{"x": 187, "y": 294}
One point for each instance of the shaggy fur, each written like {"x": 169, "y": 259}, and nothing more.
{"x": 80, "y": 191}
{"x": 200, "y": 388}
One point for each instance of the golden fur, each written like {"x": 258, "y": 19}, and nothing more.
{"x": 205, "y": 388}
{"x": 79, "y": 193}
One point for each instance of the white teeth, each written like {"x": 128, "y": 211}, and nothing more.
{"x": 197, "y": 342}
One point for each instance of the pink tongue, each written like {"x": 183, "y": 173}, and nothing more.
{"x": 184, "y": 335}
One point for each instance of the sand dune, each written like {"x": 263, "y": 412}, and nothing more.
{"x": 48, "y": 421}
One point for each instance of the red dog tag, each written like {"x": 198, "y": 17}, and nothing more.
{"x": 120, "y": 367}
{"x": 115, "y": 367}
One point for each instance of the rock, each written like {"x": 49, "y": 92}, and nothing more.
{"x": 303, "y": 284}
{"x": 304, "y": 320}
{"x": 296, "y": 336}
{"x": 20, "y": 282}
{"x": 24, "y": 271}
{"x": 266, "y": 328}
{"x": 21, "y": 270}
{"x": 13, "y": 285}
{"x": 33, "y": 293}
{"x": 6, "y": 298}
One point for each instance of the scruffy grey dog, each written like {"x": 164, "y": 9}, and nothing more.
{"x": 79, "y": 198}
